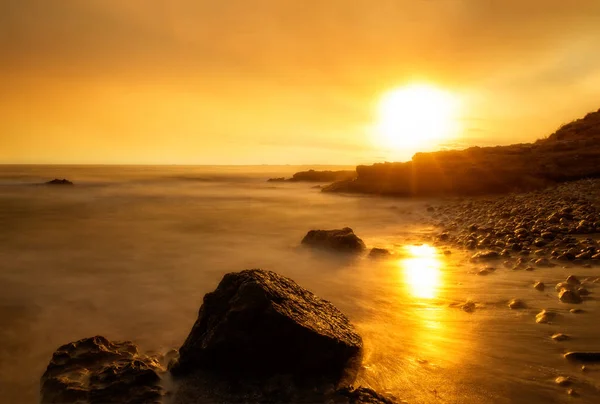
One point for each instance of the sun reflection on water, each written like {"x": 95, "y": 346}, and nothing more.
{"x": 422, "y": 271}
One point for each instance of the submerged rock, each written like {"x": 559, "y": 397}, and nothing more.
{"x": 97, "y": 370}
{"x": 338, "y": 239}
{"x": 57, "y": 181}
{"x": 259, "y": 324}
{"x": 560, "y": 337}
{"x": 539, "y": 286}
{"x": 563, "y": 381}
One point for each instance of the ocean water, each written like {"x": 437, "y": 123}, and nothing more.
{"x": 130, "y": 251}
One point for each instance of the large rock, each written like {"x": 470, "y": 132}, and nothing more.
{"x": 258, "y": 324}
{"x": 338, "y": 239}
{"x": 96, "y": 370}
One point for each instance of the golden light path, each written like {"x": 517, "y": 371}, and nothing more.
{"x": 422, "y": 271}
{"x": 417, "y": 116}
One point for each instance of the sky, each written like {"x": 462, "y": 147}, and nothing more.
{"x": 281, "y": 81}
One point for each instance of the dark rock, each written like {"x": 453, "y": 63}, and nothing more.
{"x": 277, "y": 179}
{"x": 57, "y": 181}
{"x": 96, "y": 370}
{"x": 259, "y": 324}
{"x": 569, "y": 296}
{"x": 379, "y": 253}
{"x": 362, "y": 395}
{"x": 485, "y": 255}
{"x": 339, "y": 240}
{"x": 586, "y": 357}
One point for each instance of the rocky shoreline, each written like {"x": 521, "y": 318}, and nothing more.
{"x": 259, "y": 337}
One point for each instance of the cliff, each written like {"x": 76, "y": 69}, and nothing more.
{"x": 570, "y": 153}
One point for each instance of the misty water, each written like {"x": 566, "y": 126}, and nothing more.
{"x": 129, "y": 252}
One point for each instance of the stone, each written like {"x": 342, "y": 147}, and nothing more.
{"x": 483, "y": 272}
{"x": 57, "y": 181}
{"x": 576, "y": 311}
{"x": 516, "y": 304}
{"x": 258, "y": 324}
{"x": 583, "y": 291}
{"x": 544, "y": 317}
{"x": 573, "y": 280}
{"x": 544, "y": 262}
{"x": 563, "y": 381}
{"x": 338, "y": 240}
{"x": 563, "y": 286}
{"x": 569, "y": 296}
{"x": 582, "y": 356}
{"x": 485, "y": 255}
{"x": 363, "y": 395}
{"x": 560, "y": 337}
{"x": 539, "y": 286}
{"x": 97, "y": 370}
{"x": 379, "y": 253}
{"x": 468, "y": 306}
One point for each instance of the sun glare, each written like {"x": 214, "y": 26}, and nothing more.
{"x": 417, "y": 116}
{"x": 422, "y": 271}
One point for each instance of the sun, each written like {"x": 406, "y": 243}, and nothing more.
{"x": 416, "y": 116}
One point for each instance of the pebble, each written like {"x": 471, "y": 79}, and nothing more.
{"x": 539, "y": 286}
{"x": 468, "y": 306}
{"x": 583, "y": 291}
{"x": 483, "y": 272}
{"x": 544, "y": 317}
{"x": 560, "y": 337}
{"x": 573, "y": 280}
{"x": 515, "y": 304}
{"x": 569, "y": 296}
{"x": 563, "y": 381}
{"x": 576, "y": 311}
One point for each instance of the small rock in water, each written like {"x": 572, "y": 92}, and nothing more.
{"x": 576, "y": 311}
{"x": 530, "y": 269}
{"x": 569, "y": 296}
{"x": 483, "y": 272}
{"x": 573, "y": 280}
{"x": 544, "y": 263}
{"x": 560, "y": 337}
{"x": 468, "y": 306}
{"x": 563, "y": 381}
{"x": 539, "y": 286}
{"x": 447, "y": 252}
{"x": 571, "y": 392}
{"x": 563, "y": 286}
{"x": 544, "y": 317}
{"x": 379, "y": 253}
{"x": 516, "y": 304}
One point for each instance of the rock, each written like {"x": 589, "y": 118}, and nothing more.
{"x": 544, "y": 262}
{"x": 57, "y": 181}
{"x": 483, "y": 272}
{"x": 572, "y": 392}
{"x": 569, "y": 296}
{"x": 573, "y": 280}
{"x": 468, "y": 306}
{"x": 560, "y": 337}
{"x": 563, "y": 286}
{"x": 539, "y": 286}
{"x": 583, "y": 291}
{"x": 563, "y": 381}
{"x": 379, "y": 253}
{"x": 516, "y": 304}
{"x": 97, "y": 370}
{"x": 585, "y": 357}
{"x": 447, "y": 252}
{"x": 485, "y": 255}
{"x": 576, "y": 311}
{"x": 259, "y": 324}
{"x": 544, "y": 317}
{"x": 338, "y": 240}
{"x": 362, "y": 395}
{"x": 277, "y": 179}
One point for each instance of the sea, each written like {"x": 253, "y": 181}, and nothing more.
{"x": 128, "y": 252}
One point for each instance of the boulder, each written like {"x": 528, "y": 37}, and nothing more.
{"x": 57, "y": 181}
{"x": 338, "y": 240}
{"x": 258, "y": 324}
{"x": 97, "y": 370}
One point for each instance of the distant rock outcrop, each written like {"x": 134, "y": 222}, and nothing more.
{"x": 259, "y": 324}
{"x": 571, "y": 153}
{"x": 318, "y": 176}
{"x": 57, "y": 181}
{"x": 96, "y": 370}
{"x": 338, "y": 240}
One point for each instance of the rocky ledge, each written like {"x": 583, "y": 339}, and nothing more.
{"x": 571, "y": 153}
{"x": 259, "y": 337}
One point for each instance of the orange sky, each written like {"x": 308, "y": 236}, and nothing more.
{"x": 276, "y": 81}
